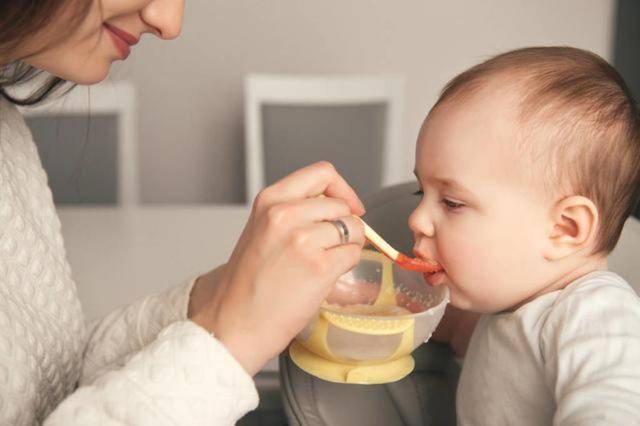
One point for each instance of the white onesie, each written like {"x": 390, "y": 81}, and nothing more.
{"x": 569, "y": 357}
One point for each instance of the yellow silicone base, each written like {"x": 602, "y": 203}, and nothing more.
{"x": 369, "y": 374}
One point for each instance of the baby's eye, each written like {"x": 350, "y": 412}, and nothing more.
{"x": 452, "y": 205}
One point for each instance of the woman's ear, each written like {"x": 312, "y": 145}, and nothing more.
{"x": 574, "y": 222}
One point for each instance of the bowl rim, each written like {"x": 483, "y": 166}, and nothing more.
{"x": 445, "y": 300}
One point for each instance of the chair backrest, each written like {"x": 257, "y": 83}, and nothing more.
{"x": 89, "y": 132}
{"x": 625, "y": 258}
{"x": 353, "y": 121}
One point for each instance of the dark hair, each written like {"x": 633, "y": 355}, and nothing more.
{"x": 582, "y": 113}
{"x": 20, "y": 20}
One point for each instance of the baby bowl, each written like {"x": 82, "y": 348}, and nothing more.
{"x": 366, "y": 329}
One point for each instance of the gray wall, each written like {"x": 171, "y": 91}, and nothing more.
{"x": 190, "y": 90}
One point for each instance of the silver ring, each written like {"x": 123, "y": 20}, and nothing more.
{"x": 343, "y": 230}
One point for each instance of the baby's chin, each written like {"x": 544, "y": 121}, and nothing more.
{"x": 460, "y": 302}
{"x": 469, "y": 303}
{"x": 482, "y": 304}
{"x": 481, "y": 307}
{"x": 478, "y": 297}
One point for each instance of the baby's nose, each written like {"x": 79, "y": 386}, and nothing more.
{"x": 421, "y": 224}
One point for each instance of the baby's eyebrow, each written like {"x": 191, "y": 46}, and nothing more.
{"x": 449, "y": 183}
{"x": 452, "y": 184}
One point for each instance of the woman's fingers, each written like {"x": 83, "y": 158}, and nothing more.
{"x": 293, "y": 222}
{"x": 326, "y": 235}
{"x": 345, "y": 228}
{"x": 333, "y": 237}
{"x": 311, "y": 181}
{"x": 310, "y": 210}
{"x": 343, "y": 258}
{"x": 287, "y": 260}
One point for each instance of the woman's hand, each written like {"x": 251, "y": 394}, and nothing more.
{"x": 283, "y": 266}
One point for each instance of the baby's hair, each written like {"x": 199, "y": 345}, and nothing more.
{"x": 583, "y": 120}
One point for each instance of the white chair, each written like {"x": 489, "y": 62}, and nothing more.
{"x": 264, "y": 91}
{"x": 109, "y": 98}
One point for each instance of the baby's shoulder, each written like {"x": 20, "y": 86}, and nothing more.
{"x": 600, "y": 288}
{"x": 601, "y": 302}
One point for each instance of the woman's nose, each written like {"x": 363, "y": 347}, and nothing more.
{"x": 421, "y": 223}
{"x": 165, "y": 17}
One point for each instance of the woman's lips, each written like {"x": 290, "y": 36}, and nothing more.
{"x": 121, "y": 39}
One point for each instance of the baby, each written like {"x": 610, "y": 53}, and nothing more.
{"x": 529, "y": 166}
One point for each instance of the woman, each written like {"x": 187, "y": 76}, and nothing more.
{"x": 182, "y": 357}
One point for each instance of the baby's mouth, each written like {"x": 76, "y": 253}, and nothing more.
{"x": 418, "y": 264}
{"x": 433, "y": 278}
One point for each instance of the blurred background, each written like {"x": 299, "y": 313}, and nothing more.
{"x": 153, "y": 170}
{"x": 189, "y": 131}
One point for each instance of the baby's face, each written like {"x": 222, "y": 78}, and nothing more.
{"x": 480, "y": 215}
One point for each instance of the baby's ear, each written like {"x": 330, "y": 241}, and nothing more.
{"x": 574, "y": 222}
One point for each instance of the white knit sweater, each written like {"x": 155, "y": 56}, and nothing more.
{"x": 145, "y": 364}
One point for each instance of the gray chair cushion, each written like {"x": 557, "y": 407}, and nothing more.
{"x": 425, "y": 397}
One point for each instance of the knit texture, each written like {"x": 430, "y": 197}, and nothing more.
{"x": 144, "y": 364}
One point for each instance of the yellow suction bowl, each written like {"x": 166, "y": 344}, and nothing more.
{"x": 342, "y": 372}
{"x": 346, "y": 346}
{"x": 363, "y": 325}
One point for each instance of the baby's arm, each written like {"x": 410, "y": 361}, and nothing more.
{"x": 591, "y": 348}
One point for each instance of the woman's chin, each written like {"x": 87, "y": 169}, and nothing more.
{"x": 93, "y": 77}
{"x": 89, "y": 74}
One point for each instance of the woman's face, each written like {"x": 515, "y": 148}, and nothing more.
{"x": 105, "y": 35}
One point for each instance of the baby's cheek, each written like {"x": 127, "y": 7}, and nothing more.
{"x": 466, "y": 257}
{"x": 475, "y": 273}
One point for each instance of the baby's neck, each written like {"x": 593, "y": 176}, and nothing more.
{"x": 567, "y": 276}
{"x": 591, "y": 264}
